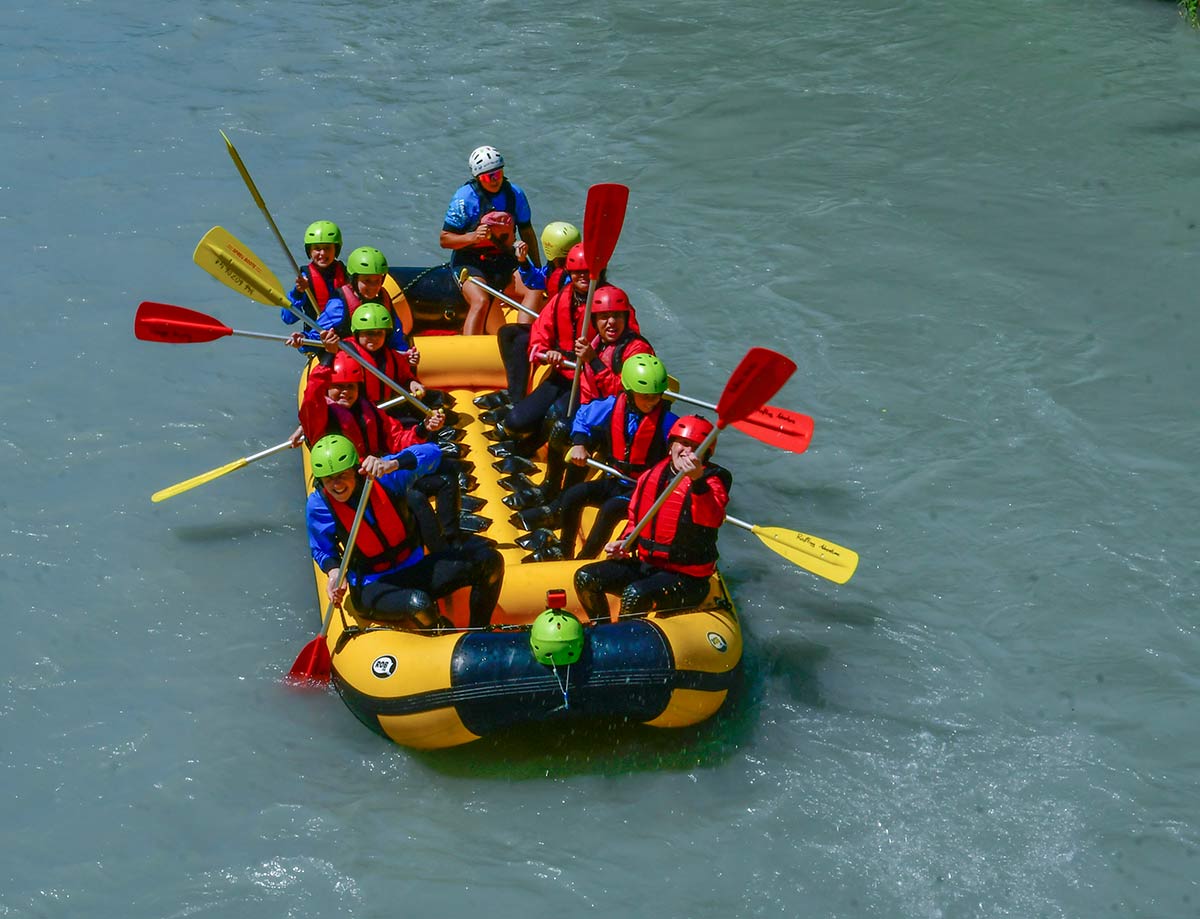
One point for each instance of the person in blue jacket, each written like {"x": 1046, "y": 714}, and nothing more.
{"x": 471, "y": 241}
{"x": 628, "y": 432}
{"x": 323, "y": 275}
{"x": 390, "y": 575}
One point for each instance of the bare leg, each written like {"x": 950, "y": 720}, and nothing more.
{"x": 478, "y": 306}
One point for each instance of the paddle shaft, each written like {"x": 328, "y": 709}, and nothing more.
{"x": 463, "y": 277}
{"x": 341, "y": 579}
{"x": 262, "y": 206}
{"x": 584, "y": 325}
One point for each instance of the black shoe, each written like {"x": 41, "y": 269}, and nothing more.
{"x": 537, "y": 539}
{"x": 493, "y": 399}
{"x": 513, "y": 465}
{"x": 517, "y": 482}
{"x": 522, "y": 500}
{"x": 471, "y": 504}
{"x": 450, "y": 449}
{"x": 449, "y": 435}
{"x": 495, "y": 415}
{"x": 538, "y": 516}
{"x": 467, "y": 482}
{"x": 473, "y": 523}
{"x": 548, "y": 554}
{"x": 504, "y": 449}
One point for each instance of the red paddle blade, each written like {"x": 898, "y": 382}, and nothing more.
{"x": 176, "y": 324}
{"x": 778, "y": 427}
{"x": 756, "y": 379}
{"x": 602, "y": 220}
{"x": 312, "y": 664}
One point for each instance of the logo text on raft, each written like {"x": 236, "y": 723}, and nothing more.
{"x": 384, "y": 666}
{"x": 718, "y": 642}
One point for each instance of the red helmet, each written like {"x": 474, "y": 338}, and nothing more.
{"x": 691, "y": 428}
{"x": 576, "y": 261}
{"x": 346, "y": 369}
{"x": 609, "y": 299}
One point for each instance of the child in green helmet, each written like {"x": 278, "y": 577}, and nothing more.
{"x": 372, "y": 325}
{"x": 324, "y": 275}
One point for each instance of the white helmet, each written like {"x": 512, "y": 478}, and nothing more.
{"x": 485, "y": 159}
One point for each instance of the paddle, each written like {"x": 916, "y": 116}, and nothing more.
{"x": 603, "y": 216}
{"x": 779, "y": 427}
{"x": 232, "y": 263}
{"x": 758, "y": 376}
{"x": 821, "y": 557}
{"x": 262, "y": 206}
{"x": 312, "y": 663}
{"x": 179, "y": 325}
{"x": 206, "y": 477}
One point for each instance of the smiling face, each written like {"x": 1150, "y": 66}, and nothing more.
{"x": 343, "y": 394}
{"x": 369, "y": 285}
{"x": 340, "y": 485}
{"x": 322, "y": 254}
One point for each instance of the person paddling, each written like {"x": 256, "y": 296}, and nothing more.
{"x": 367, "y": 270}
{"x": 471, "y": 241}
{"x": 627, "y": 431}
{"x": 323, "y": 275}
{"x": 391, "y": 577}
{"x": 676, "y": 554}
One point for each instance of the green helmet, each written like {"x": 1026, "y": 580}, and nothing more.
{"x": 556, "y": 638}
{"x": 644, "y": 373}
{"x": 332, "y": 454}
{"x": 370, "y": 316}
{"x": 365, "y": 260}
{"x": 323, "y": 231}
{"x": 558, "y": 238}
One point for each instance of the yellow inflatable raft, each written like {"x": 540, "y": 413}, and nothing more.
{"x": 424, "y": 690}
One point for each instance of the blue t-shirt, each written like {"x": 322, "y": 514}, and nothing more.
{"x": 465, "y": 207}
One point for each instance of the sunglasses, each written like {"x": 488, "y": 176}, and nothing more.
{"x": 493, "y": 175}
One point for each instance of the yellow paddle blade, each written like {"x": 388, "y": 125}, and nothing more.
{"x": 821, "y": 557}
{"x": 181, "y": 487}
{"x": 233, "y": 263}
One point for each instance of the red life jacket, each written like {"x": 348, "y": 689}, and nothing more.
{"x": 364, "y": 425}
{"x": 386, "y": 537}
{"x": 554, "y": 280}
{"x": 648, "y": 444}
{"x": 673, "y": 540}
{"x": 321, "y": 289}
{"x": 391, "y": 364}
{"x": 600, "y": 384}
{"x": 353, "y": 301}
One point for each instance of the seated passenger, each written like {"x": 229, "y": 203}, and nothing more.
{"x": 472, "y": 243}
{"x": 323, "y": 275}
{"x": 628, "y": 432}
{"x": 390, "y": 576}
{"x": 676, "y": 554}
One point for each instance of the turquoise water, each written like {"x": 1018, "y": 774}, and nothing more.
{"x": 972, "y": 225}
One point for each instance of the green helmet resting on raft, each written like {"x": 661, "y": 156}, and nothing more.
{"x": 644, "y": 373}
{"x": 370, "y": 316}
{"x": 558, "y": 238}
{"x": 323, "y": 232}
{"x": 556, "y": 638}
{"x": 366, "y": 260}
{"x": 332, "y": 454}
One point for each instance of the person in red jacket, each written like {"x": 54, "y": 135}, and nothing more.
{"x": 676, "y": 554}
{"x": 332, "y": 404}
{"x": 616, "y": 340}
